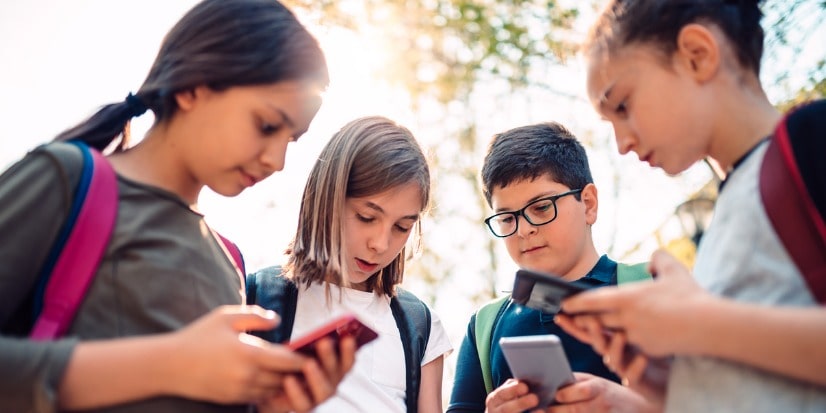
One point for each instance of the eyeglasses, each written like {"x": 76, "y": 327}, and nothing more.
{"x": 539, "y": 212}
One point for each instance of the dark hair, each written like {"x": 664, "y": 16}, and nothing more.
{"x": 367, "y": 156}
{"x": 219, "y": 44}
{"x": 529, "y": 152}
{"x": 658, "y": 22}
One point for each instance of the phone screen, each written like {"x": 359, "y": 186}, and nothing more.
{"x": 539, "y": 361}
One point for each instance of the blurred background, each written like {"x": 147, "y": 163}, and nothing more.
{"x": 454, "y": 72}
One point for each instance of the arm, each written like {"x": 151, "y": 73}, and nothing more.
{"x": 430, "y": 390}
{"x": 468, "y": 393}
{"x": 782, "y": 340}
{"x": 229, "y": 367}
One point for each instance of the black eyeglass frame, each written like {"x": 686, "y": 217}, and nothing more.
{"x": 521, "y": 212}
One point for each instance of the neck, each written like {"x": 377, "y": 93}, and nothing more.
{"x": 588, "y": 259}
{"x": 745, "y": 118}
{"x": 154, "y": 162}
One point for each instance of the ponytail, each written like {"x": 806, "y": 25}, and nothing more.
{"x": 107, "y": 124}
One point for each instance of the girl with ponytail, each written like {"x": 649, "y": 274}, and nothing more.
{"x": 162, "y": 326}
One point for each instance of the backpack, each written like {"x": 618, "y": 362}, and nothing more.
{"x": 76, "y": 253}
{"x": 268, "y": 288}
{"x": 793, "y": 190}
{"x": 489, "y": 314}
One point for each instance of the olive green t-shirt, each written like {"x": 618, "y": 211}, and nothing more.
{"x": 162, "y": 269}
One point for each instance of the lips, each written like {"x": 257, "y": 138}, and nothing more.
{"x": 366, "y": 266}
{"x": 532, "y": 249}
{"x": 248, "y": 179}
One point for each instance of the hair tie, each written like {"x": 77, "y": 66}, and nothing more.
{"x": 135, "y": 105}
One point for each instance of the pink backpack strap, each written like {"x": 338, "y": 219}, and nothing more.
{"x": 78, "y": 261}
{"x": 234, "y": 252}
{"x": 792, "y": 211}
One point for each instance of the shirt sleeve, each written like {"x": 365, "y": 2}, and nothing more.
{"x": 469, "y": 391}
{"x": 438, "y": 344}
{"x": 34, "y": 201}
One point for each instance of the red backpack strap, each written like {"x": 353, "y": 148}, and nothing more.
{"x": 791, "y": 208}
{"x": 84, "y": 248}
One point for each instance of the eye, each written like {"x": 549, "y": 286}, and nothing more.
{"x": 542, "y": 206}
{"x": 402, "y": 228}
{"x": 505, "y": 219}
{"x": 621, "y": 108}
{"x": 268, "y": 129}
{"x": 365, "y": 219}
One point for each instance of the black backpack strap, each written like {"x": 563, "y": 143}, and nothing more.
{"x": 413, "y": 320}
{"x": 269, "y": 289}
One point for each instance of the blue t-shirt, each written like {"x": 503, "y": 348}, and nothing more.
{"x": 469, "y": 391}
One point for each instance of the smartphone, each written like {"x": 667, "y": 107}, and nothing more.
{"x": 343, "y": 326}
{"x": 540, "y": 362}
{"x": 543, "y": 292}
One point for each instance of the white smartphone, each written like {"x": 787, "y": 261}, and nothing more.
{"x": 540, "y": 361}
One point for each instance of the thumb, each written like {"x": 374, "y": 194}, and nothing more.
{"x": 663, "y": 264}
{"x": 248, "y": 318}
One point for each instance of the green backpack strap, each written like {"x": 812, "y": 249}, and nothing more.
{"x": 483, "y": 334}
{"x": 632, "y": 273}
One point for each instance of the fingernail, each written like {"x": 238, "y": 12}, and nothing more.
{"x": 269, "y": 314}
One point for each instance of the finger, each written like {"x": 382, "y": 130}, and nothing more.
{"x": 347, "y": 356}
{"x": 325, "y": 351}
{"x": 320, "y": 386}
{"x": 509, "y": 390}
{"x": 278, "y": 358}
{"x": 604, "y": 299}
{"x": 298, "y": 397}
{"x": 634, "y": 371}
{"x": 578, "y": 392}
{"x": 566, "y": 322}
{"x": 248, "y": 318}
{"x": 663, "y": 263}
{"x": 615, "y": 356}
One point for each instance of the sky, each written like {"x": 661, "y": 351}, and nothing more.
{"x": 63, "y": 59}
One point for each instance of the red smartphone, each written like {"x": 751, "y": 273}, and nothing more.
{"x": 343, "y": 326}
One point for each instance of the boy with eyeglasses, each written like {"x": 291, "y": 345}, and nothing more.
{"x": 537, "y": 180}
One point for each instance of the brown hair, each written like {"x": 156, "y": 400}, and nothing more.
{"x": 658, "y": 23}
{"x": 219, "y": 44}
{"x": 367, "y": 156}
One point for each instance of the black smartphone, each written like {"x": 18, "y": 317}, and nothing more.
{"x": 543, "y": 292}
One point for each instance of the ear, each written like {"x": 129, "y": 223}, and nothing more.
{"x": 698, "y": 50}
{"x": 187, "y": 99}
{"x": 589, "y": 198}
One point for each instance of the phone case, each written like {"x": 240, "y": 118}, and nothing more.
{"x": 346, "y": 325}
{"x": 540, "y": 361}
{"x": 543, "y": 292}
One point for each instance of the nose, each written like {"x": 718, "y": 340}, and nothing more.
{"x": 275, "y": 151}
{"x": 524, "y": 228}
{"x": 379, "y": 240}
{"x": 625, "y": 143}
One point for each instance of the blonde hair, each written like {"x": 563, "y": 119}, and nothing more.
{"x": 367, "y": 156}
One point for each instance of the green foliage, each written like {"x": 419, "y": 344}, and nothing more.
{"x": 439, "y": 48}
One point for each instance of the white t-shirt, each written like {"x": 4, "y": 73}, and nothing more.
{"x": 377, "y": 381}
{"x": 741, "y": 257}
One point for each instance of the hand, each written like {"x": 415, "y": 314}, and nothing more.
{"x": 319, "y": 380}
{"x": 590, "y": 393}
{"x": 640, "y": 373}
{"x": 513, "y": 396}
{"x": 217, "y": 362}
{"x": 647, "y": 311}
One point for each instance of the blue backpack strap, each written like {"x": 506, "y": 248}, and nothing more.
{"x": 793, "y": 191}
{"x": 413, "y": 321}
{"x": 268, "y": 288}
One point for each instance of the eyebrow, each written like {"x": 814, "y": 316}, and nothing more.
{"x": 603, "y": 100}
{"x": 540, "y": 196}
{"x": 377, "y": 208}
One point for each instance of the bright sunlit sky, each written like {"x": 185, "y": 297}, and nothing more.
{"x": 60, "y": 60}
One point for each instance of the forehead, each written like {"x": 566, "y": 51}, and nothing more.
{"x": 401, "y": 201}
{"x": 518, "y": 193}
